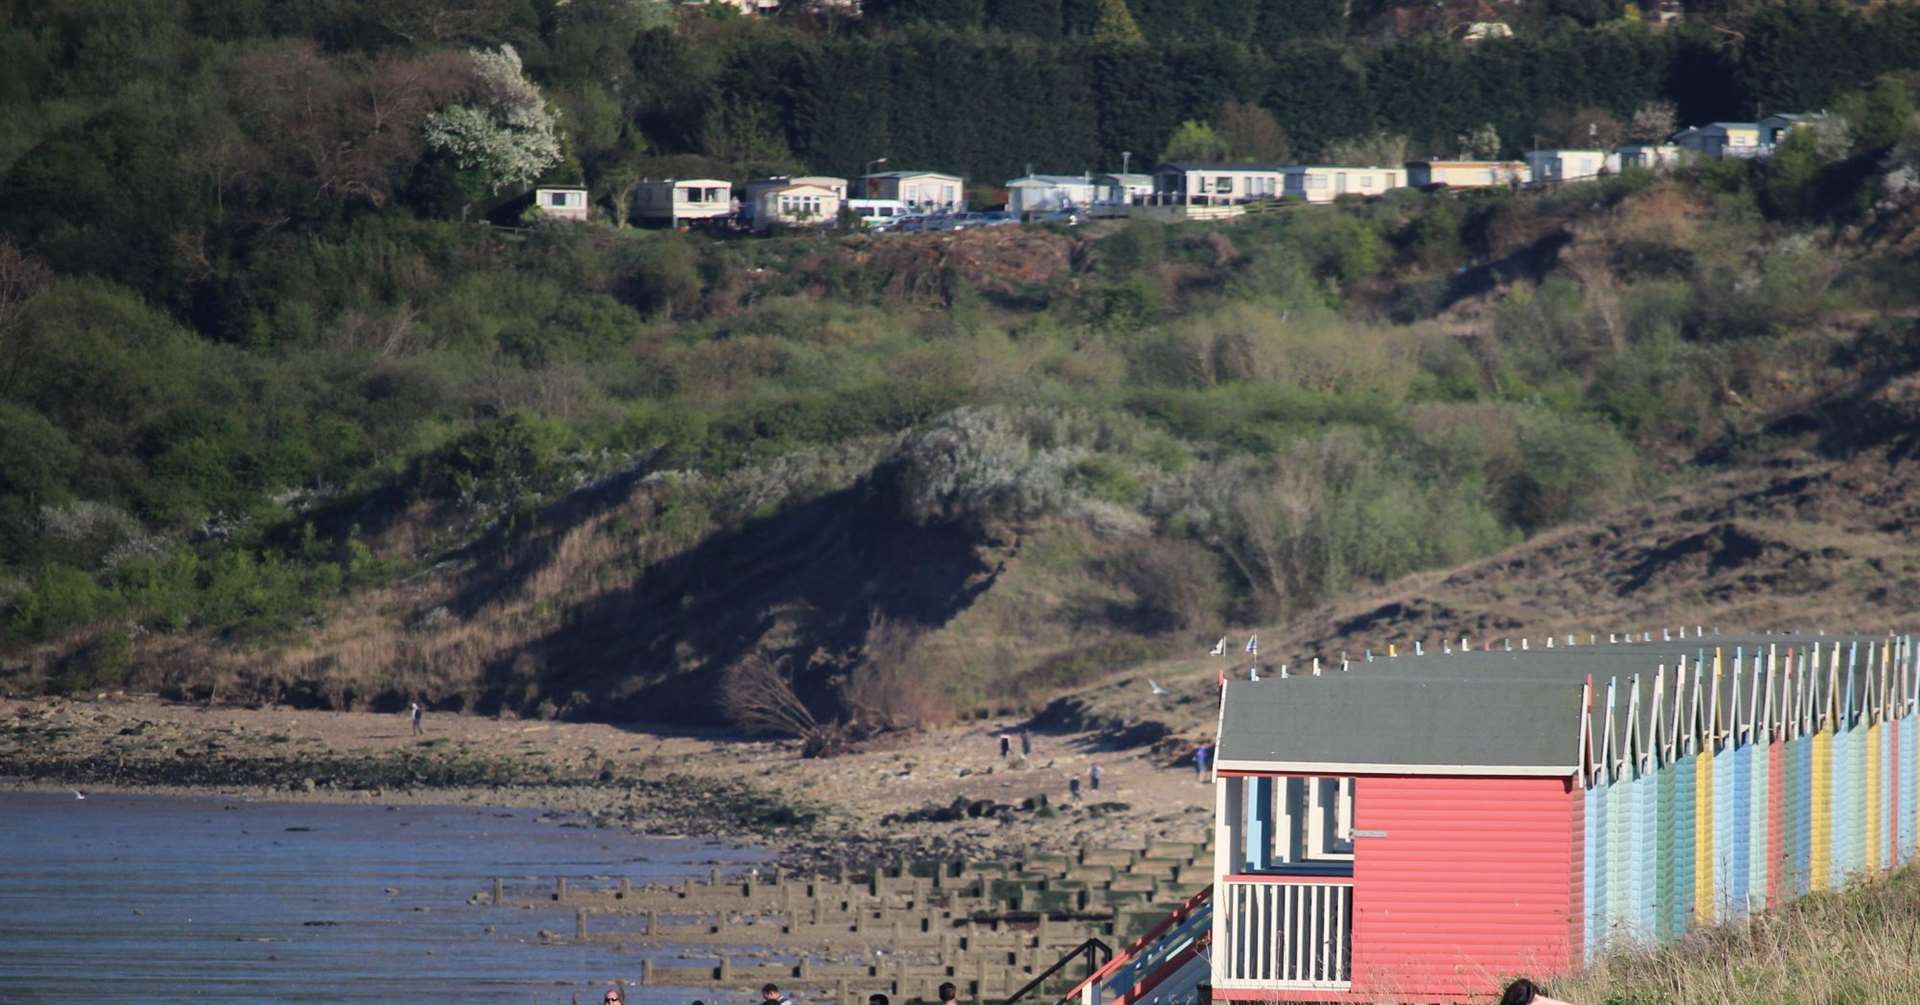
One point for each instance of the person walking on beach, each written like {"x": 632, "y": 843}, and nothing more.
{"x": 417, "y": 712}
{"x": 1006, "y": 746}
{"x": 614, "y": 996}
{"x": 948, "y": 993}
{"x": 1073, "y": 789}
{"x": 1093, "y": 778}
{"x": 1026, "y": 744}
{"x": 1200, "y": 755}
{"x": 770, "y": 995}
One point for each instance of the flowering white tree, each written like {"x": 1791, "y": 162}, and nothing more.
{"x": 506, "y": 132}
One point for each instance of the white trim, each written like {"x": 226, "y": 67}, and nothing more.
{"x": 1354, "y": 768}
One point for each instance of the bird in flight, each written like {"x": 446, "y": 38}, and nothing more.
{"x": 1157, "y": 689}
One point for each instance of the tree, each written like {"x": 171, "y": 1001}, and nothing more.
{"x": 1251, "y": 133}
{"x": 1584, "y": 129}
{"x": 1113, "y": 22}
{"x": 1653, "y": 122}
{"x": 505, "y": 132}
{"x": 757, "y": 694}
{"x": 1194, "y": 141}
{"x": 1370, "y": 150}
{"x": 1482, "y": 143}
{"x": 339, "y": 127}
{"x": 21, "y": 277}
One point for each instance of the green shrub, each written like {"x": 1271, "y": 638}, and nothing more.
{"x": 58, "y": 598}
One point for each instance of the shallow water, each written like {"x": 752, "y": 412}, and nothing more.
{"x": 162, "y": 899}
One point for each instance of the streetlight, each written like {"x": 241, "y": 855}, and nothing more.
{"x": 1126, "y": 157}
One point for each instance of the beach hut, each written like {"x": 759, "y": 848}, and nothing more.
{"x": 1423, "y": 827}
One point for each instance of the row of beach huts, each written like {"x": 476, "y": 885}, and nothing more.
{"x": 1178, "y": 190}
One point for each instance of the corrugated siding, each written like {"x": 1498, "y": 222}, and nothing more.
{"x": 1704, "y": 838}
{"x": 1646, "y": 856}
{"x": 1909, "y": 758}
{"x": 1727, "y": 811}
{"x": 1665, "y": 870}
{"x": 1474, "y": 878}
{"x": 1753, "y": 852}
{"x": 1717, "y": 836}
{"x": 1820, "y": 823}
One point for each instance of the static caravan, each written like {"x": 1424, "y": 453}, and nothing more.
{"x": 798, "y": 203}
{"x": 1120, "y": 190}
{"x": 1774, "y": 128}
{"x": 1468, "y": 174}
{"x": 1196, "y": 184}
{"x": 1048, "y": 193}
{"x": 922, "y": 191}
{"x": 1721, "y": 139}
{"x": 759, "y": 212}
{"x": 1648, "y": 156}
{"x": 1555, "y": 166}
{"x": 1325, "y": 184}
{"x": 562, "y": 202}
{"x": 679, "y": 201}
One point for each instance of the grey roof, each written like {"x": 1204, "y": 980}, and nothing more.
{"x": 1386, "y": 722}
{"x": 1204, "y": 166}
{"x": 912, "y": 174}
{"x": 1126, "y": 178}
{"x": 1522, "y": 691}
{"x": 1053, "y": 179}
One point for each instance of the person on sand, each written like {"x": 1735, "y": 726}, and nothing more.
{"x": 1093, "y": 778}
{"x": 1026, "y": 744}
{"x": 1525, "y": 992}
{"x": 1073, "y": 789}
{"x": 948, "y": 993}
{"x": 1200, "y": 757}
{"x": 770, "y": 994}
{"x": 1006, "y": 745}
{"x": 877, "y": 998}
{"x": 614, "y": 996}
{"x": 417, "y": 711}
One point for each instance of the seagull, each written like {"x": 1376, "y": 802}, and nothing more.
{"x": 77, "y": 794}
{"x": 1219, "y": 648}
{"x": 1157, "y": 689}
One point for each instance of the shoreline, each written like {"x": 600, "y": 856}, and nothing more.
{"x": 942, "y": 794}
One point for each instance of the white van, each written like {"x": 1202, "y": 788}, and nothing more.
{"x": 877, "y": 214}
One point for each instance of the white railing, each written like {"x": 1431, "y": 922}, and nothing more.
{"x": 1284, "y": 932}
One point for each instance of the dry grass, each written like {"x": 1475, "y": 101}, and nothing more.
{"x": 1860, "y": 947}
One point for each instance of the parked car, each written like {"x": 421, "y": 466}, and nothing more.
{"x": 877, "y": 214}
{"x": 991, "y": 218}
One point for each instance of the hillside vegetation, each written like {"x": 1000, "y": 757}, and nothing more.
{"x": 287, "y": 429}
{"x": 1857, "y": 945}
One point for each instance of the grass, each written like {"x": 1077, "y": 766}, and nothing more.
{"x": 1860, "y": 946}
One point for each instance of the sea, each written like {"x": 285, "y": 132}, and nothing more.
{"x": 169, "y": 899}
